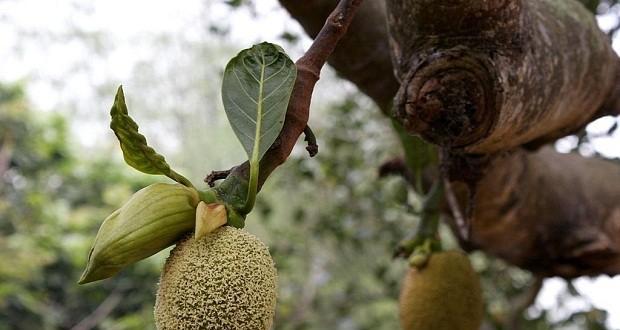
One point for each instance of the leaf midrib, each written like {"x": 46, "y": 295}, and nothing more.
{"x": 259, "y": 110}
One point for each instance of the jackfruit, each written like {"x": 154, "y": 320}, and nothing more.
{"x": 444, "y": 295}
{"x": 225, "y": 280}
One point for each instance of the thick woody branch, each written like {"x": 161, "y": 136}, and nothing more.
{"x": 362, "y": 56}
{"x": 308, "y": 72}
{"x": 492, "y": 75}
{"x": 554, "y": 214}
{"x": 486, "y": 76}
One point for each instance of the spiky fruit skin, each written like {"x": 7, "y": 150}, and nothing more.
{"x": 444, "y": 295}
{"x": 225, "y": 280}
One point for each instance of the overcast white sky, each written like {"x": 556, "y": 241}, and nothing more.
{"x": 127, "y": 21}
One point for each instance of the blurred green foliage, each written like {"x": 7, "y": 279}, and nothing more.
{"x": 51, "y": 204}
{"x": 330, "y": 222}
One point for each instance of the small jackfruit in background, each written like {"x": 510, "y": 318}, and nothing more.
{"x": 444, "y": 295}
{"x": 226, "y": 280}
{"x": 154, "y": 218}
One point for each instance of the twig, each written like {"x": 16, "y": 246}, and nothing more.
{"x": 612, "y": 32}
{"x": 308, "y": 73}
{"x": 462, "y": 226}
{"x": 6, "y": 151}
{"x": 522, "y": 302}
{"x": 215, "y": 176}
{"x": 396, "y": 166}
{"x": 312, "y": 147}
{"x": 101, "y": 312}
{"x": 613, "y": 128}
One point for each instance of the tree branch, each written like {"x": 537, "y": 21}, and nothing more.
{"x": 6, "y": 151}
{"x": 551, "y": 213}
{"x": 491, "y": 76}
{"x": 308, "y": 73}
{"x": 101, "y": 312}
{"x": 363, "y": 55}
{"x": 522, "y": 303}
{"x": 554, "y": 214}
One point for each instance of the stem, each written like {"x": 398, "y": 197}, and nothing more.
{"x": 308, "y": 70}
{"x": 252, "y": 186}
{"x": 521, "y": 302}
{"x": 429, "y": 222}
{"x": 418, "y": 154}
{"x": 208, "y": 196}
{"x": 419, "y": 186}
{"x": 180, "y": 179}
{"x": 426, "y": 233}
{"x": 462, "y": 225}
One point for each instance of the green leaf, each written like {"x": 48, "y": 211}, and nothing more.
{"x": 136, "y": 150}
{"x": 257, "y": 86}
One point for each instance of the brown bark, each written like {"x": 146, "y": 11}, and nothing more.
{"x": 363, "y": 55}
{"x": 551, "y": 213}
{"x": 486, "y": 76}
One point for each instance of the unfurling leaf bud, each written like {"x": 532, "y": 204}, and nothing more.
{"x": 209, "y": 217}
{"x": 154, "y": 218}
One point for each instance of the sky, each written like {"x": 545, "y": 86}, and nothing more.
{"x": 47, "y": 63}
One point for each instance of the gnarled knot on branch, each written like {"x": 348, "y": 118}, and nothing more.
{"x": 449, "y": 97}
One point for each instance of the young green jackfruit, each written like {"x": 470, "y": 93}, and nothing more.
{"x": 444, "y": 295}
{"x": 223, "y": 281}
{"x": 154, "y": 218}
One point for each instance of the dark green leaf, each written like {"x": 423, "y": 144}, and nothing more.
{"x": 136, "y": 150}
{"x": 257, "y": 85}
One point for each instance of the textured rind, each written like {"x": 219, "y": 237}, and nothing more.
{"x": 154, "y": 218}
{"x": 226, "y": 280}
{"x": 444, "y": 295}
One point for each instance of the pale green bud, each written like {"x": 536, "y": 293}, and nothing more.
{"x": 154, "y": 218}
